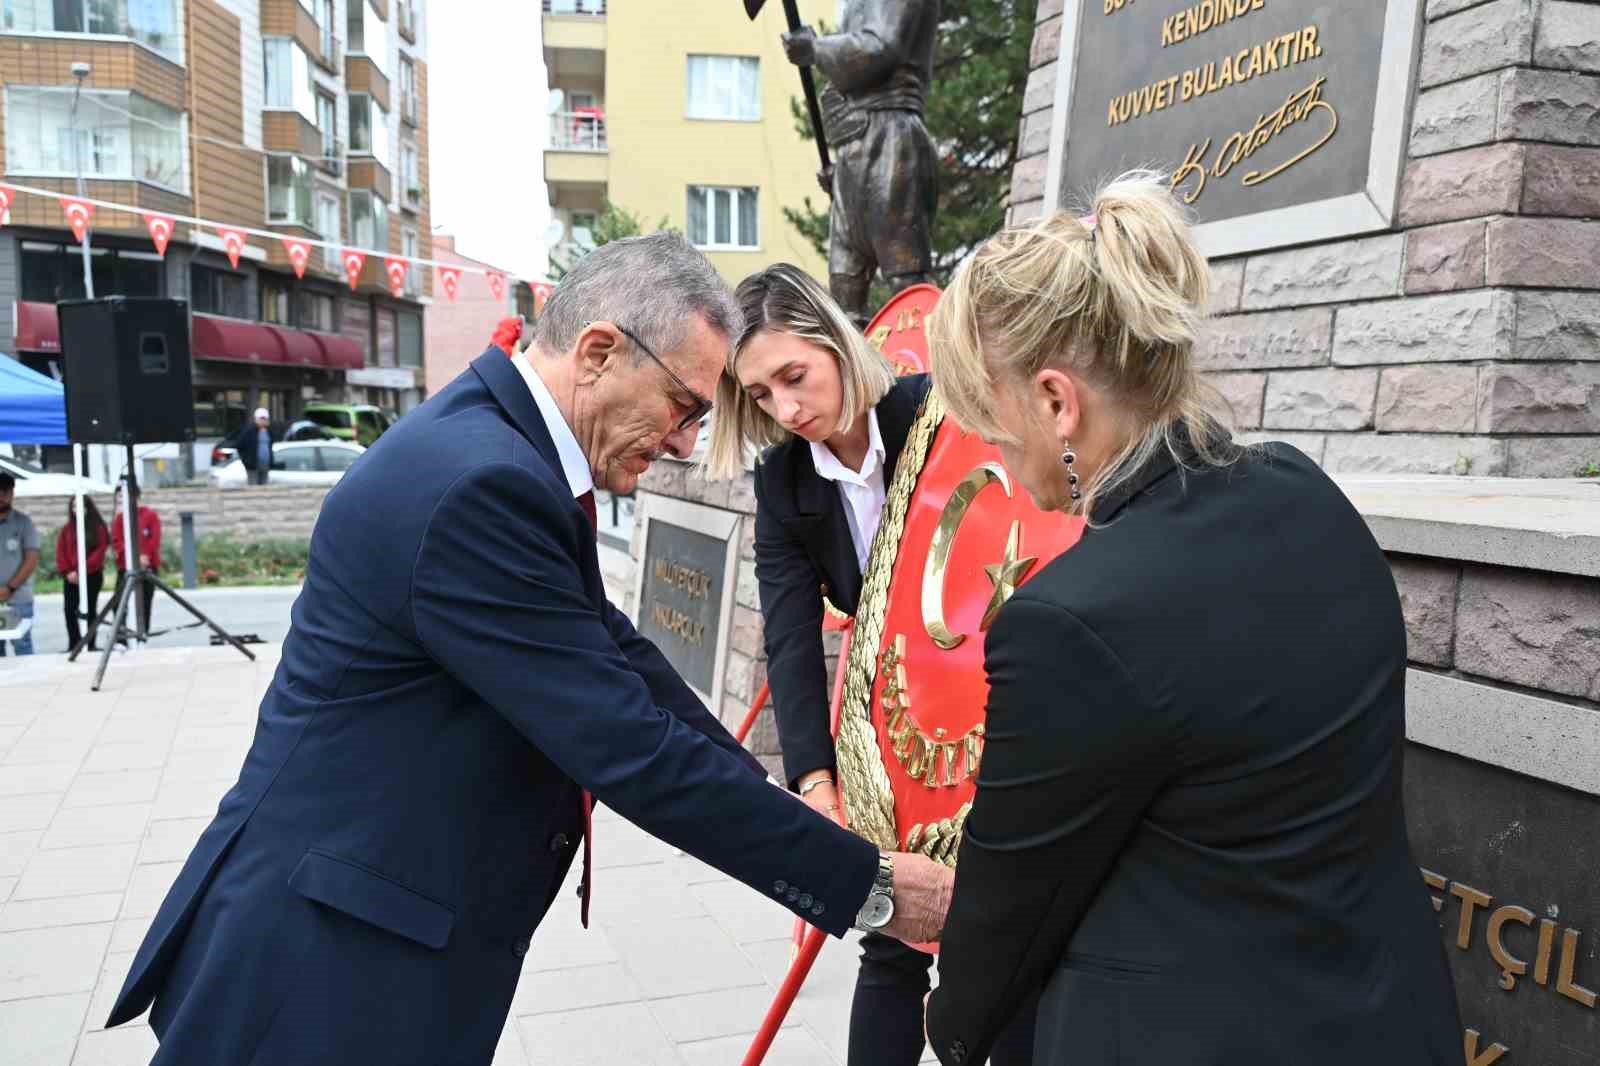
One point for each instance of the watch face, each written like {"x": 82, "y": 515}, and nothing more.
{"x": 877, "y": 911}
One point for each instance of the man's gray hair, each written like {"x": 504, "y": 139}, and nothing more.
{"x": 652, "y": 286}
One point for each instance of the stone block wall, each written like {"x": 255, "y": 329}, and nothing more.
{"x": 244, "y": 514}
{"x": 1465, "y": 341}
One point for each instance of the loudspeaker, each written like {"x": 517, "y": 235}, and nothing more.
{"x": 127, "y": 374}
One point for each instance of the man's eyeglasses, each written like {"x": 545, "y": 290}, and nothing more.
{"x": 702, "y": 406}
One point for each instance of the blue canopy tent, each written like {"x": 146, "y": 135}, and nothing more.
{"x": 33, "y": 408}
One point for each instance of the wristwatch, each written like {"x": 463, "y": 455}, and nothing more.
{"x": 878, "y": 910}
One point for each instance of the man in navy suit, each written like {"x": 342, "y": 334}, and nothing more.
{"x": 454, "y": 680}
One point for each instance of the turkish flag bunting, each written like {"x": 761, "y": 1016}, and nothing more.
{"x": 396, "y": 269}
{"x": 541, "y": 293}
{"x": 5, "y": 204}
{"x": 160, "y": 227}
{"x": 353, "y": 262}
{"x": 497, "y": 285}
{"x": 233, "y": 241}
{"x": 299, "y": 254}
{"x": 79, "y": 215}
{"x": 450, "y": 278}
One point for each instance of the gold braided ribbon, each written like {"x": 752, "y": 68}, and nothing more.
{"x": 863, "y": 778}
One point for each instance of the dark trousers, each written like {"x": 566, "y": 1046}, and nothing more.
{"x": 258, "y": 476}
{"x": 886, "y": 1015}
{"x": 69, "y": 606}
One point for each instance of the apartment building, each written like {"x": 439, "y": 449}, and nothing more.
{"x": 307, "y": 118}
{"x": 678, "y": 112}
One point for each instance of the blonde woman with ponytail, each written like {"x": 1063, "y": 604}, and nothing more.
{"x": 1188, "y": 830}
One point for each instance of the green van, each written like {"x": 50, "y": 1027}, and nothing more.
{"x": 359, "y": 422}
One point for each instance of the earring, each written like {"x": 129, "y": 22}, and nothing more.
{"x": 1068, "y": 457}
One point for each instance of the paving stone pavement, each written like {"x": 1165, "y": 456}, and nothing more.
{"x": 103, "y": 794}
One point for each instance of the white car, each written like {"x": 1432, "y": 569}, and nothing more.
{"x": 31, "y": 481}
{"x": 309, "y": 462}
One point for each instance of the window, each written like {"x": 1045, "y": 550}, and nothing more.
{"x": 328, "y": 229}
{"x": 121, "y": 135}
{"x": 218, "y": 292}
{"x": 330, "y": 42}
{"x": 410, "y": 175}
{"x": 289, "y": 191}
{"x": 274, "y": 300}
{"x": 367, "y": 34}
{"x": 409, "y": 247}
{"x": 583, "y": 228}
{"x": 313, "y": 309}
{"x": 289, "y": 82}
{"x": 725, "y": 87}
{"x": 408, "y": 90}
{"x": 410, "y": 325}
{"x": 153, "y": 23}
{"x": 52, "y": 272}
{"x": 297, "y": 460}
{"x": 336, "y": 458}
{"x": 369, "y": 220}
{"x": 328, "y": 123}
{"x": 369, "y": 127}
{"x": 723, "y": 218}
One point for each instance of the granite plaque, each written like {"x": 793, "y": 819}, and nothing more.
{"x": 1280, "y": 121}
{"x": 685, "y": 588}
{"x": 1510, "y": 863}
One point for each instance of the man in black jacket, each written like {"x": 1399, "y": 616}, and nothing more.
{"x": 254, "y": 444}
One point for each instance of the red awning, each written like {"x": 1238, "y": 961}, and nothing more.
{"x": 37, "y": 327}
{"x": 236, "y": 341}
{"x": 300, "y": 348}
{"x": 340, "y": 352}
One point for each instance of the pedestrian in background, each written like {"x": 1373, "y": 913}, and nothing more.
{"x": 254, "y": 445}
{"x": 98, "y": 539}
{"x": 19, "y": 558}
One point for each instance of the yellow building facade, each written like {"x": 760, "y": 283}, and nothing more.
{"x": 679, "y": 111}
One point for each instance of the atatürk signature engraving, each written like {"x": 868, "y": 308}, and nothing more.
{"x": 1244, "y": 144}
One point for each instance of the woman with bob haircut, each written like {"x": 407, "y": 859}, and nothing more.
{"x": 804, "y": 384}
{"x": 1188, "y": 827}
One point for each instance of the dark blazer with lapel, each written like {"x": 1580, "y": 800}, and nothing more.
{"x": 802, "y": 546}
{"x": 1188, "y": 825}
{"x": 410, "y": 804}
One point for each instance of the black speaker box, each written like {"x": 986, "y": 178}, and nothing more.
{"x": 126, "y": 370}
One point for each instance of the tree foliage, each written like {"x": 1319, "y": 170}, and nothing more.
{"x": 612, "y": 224}
{"x": 972, "y": 113}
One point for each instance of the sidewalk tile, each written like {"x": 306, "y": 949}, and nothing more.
{"x": 189, "y": 799}
{"x": 550, "y": 991}
{"x": 509, "y": 1051}
{"x": 42, "y": 1032}
{"x": 28, "y": 812}
{"x": 36, "y": 777}
{"x": 746, "y": 915}
{"x": 148, "y": 888}
{"x": 128, "y": 1045}
{"x": 129, "y": 933}
{"x": 77, "y": 871}
{"x": 220, "y": 767}
{"x": 113, "y": 975}
{"x": 560, "y": 943}
{"x": 620, "y": 893}
{"x": 105, "y": 789}
{"x": 15, "y": 851}
{"x": 675, "y": 958}
{"x": 708, "y": 1015}
{"x": 621, "y": 843}
{"x": 139, "y": 755}
{"x": 81, "y": 827}
{"x": 51, "y": 962}
{"x": 48, "y": 749}
{"x": 604, "y": 1036}
{"x": 792, "y": 1047}
{"x": 60, "y": 910}
{"x": 171, "y": 840}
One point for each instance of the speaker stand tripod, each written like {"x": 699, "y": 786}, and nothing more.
{"x": 130, "y": 590}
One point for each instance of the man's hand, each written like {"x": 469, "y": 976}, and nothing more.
{"x": 72, "y": 577}
{"x": 922, "y": 890}
{"x": 5, "y": 593}
{"x": 825, "y": 178}
{"x": 801, "y": 46}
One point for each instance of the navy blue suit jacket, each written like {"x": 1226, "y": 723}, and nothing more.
{"x": 410, "y": 804}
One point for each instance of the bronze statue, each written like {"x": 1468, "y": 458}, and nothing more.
{"x": 883, "y": 181}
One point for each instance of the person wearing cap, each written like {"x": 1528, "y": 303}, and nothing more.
{"x": 254, "y": 445}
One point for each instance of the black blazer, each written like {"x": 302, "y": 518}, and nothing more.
{"x": 803, "y": 547}
{"x": 1188, "y": 825}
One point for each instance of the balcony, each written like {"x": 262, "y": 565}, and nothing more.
{"x": 332, "y": 159}
{"x": 574, "y": 40}
{"x": 578, "y": 131}
{"x": 576, "y": 154}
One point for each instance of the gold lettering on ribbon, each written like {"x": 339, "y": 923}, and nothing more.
{"x": 918, "y": 753}
{"x": 1246, "y": 143}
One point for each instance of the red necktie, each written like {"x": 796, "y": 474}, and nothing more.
{"x": 586, "y": 889}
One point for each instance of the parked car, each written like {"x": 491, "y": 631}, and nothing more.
{"x": 305, "y": 429}
{"x": 320, "y": 462}
{"x": 32, "y": 481}
{"x": 359, "y": 422}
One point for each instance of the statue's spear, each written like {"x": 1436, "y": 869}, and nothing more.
{"x": 791, "y": 10}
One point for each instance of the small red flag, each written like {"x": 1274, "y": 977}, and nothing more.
{"x": 541, "y": 293}
{"x": 396, "y": 269}
{"x": 79, "y": 215}
{"x": 299, "y": 254}
{"x": 5, "y": 204}
{"x": 160, "y": 227}
{"x": 353, "y": 262}
{"x": 233, "y": 241}
{"x": 450, "y": 279}
{"x": 497, "y": 285}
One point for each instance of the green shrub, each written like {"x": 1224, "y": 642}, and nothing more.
{"x": 219, "y": 560}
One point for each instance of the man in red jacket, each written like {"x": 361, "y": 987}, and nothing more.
{"x": 147, "y": 533}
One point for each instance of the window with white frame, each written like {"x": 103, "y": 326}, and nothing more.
{"x": 329, "y": 37}
{"x": 288, "y": 191}
{"x": 328, "y": 123}
{"x": 121, "y": 135}
{"x": 153, "y": 23}
{"x": 369, "y": 220}
{"x": 290, "y": 85}
{"x": 329, "y": 230}
{"x": 369, "y": 127}
{"x": 722, "y": 217}
{"x": 409, "y": 245}
{"x": 366, "y": 33}
{"x": 725, "y": 87}
{"x": 410, "y": 174}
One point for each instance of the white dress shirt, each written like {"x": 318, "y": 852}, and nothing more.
{"x": 574, "y": 464}
{"x": 862, "y": 490}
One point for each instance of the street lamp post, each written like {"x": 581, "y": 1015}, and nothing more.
{"x": 80, "y": 452}
{"x": 81, "y": 71}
